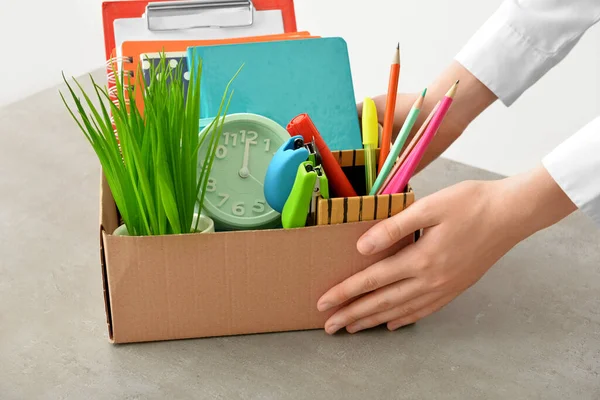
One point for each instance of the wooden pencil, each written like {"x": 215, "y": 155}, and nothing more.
{"x": 410, "y": 147}
{"x": 406, "y": 171}
{"x": 399, "y": 143}
{"x": 390, "y": 109}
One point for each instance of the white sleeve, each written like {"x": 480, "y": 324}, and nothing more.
{"x": 519, "y": 44}
{"x": 523, "y": 40}
{"x": 575, "y": 167}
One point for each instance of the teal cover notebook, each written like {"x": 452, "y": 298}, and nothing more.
{"x": 283, "y": 79}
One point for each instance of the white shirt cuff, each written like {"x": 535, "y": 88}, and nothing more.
{"x": 504, "y": 60}
{"x": 575, "y": 166}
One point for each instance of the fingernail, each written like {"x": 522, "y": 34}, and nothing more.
{"x": 354, "y": 328}
{"x": 366, "y": 245}
{"x": 331, "y": 329}
{"x": 324, "y": 306}
{"x": 394, "y": 327}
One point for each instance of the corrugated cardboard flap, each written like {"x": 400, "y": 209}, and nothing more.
{"x": 108, "y": 223}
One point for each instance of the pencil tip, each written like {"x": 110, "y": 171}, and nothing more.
{"x": 457, "y": 82}
{"x": 397, "y": 55}
{"x": 420, "y": 100}
{"x": 453, "y": 89}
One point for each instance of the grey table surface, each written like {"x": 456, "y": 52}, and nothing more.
{"x": 529, "y": 329}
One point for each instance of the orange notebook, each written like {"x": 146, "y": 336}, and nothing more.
{"x": 134, "y": 52}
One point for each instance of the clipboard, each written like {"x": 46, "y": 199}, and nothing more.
{"x": 181, "y": 12}
{"x": 223, "y": 25}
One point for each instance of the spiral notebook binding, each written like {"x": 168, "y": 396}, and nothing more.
{"x": 119, "y": 65}
{"x": 111, "y": 61}
{"x": 117, "y": 102}
{"x": 112, "y": 91}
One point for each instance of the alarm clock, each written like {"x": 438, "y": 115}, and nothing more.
{"x": 235, "y": 198}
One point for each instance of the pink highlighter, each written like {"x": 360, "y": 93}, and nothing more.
{"x": 400, "y": 180}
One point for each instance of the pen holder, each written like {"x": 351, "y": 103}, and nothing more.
{"x": 344, "y": 210}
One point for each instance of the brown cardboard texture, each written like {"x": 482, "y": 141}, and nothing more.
{"x": 203, "y": 285}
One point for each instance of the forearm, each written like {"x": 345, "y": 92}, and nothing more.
{"x": 472, "y": 98}
{"x": 530, "y": 202}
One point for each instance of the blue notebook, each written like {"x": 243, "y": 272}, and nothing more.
{"x": 283, "y": 79}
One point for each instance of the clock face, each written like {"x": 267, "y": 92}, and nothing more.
{"x": 235, "y": 193}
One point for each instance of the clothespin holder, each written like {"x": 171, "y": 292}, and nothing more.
{"x": 300, "y": 209}
{"x": 283, "y": 169}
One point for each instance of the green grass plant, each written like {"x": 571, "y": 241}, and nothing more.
{"x": 151, "y": 160}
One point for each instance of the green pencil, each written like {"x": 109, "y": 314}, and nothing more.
{"x": 399, "y": 143}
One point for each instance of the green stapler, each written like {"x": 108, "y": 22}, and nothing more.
{"x": 301, "y": 206}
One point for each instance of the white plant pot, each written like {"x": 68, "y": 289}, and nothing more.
{"x": 206, "y": 225}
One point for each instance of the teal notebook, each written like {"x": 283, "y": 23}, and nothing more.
{"x": 283, "y": 79}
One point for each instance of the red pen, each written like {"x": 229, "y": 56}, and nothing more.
{"x": 338, "y": 182}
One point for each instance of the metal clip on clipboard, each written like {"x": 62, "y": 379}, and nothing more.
{"x": 178, "y": 15}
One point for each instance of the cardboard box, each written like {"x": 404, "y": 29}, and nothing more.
{"x": 202, "y": 285}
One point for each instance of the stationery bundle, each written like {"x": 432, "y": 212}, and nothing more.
{"x": 225, "y": 136}
{"x": 279, "y": 74}
{"x": 241, "y": 165}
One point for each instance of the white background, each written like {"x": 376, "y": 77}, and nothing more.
{"x": 40, "y": 38}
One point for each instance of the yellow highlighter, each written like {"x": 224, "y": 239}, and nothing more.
{"x": 370, "y": 131}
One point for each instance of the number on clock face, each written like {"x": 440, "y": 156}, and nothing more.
{"x": 249, "y": 135}
{"x": 239, "y": 208}
{"x": 224, "y": 197}
{"x": 211, "y": 186}
{"x": 233, "y": 137}
{"x": 221, "y": 152}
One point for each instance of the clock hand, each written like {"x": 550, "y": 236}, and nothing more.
{"x": 244, "y": 171}
{"x": 256, "y": 180}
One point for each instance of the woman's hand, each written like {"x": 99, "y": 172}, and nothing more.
{"x": 467, "y": 229}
